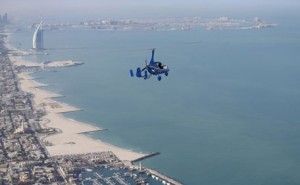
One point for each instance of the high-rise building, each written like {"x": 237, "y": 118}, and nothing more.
{"x": 5, "y": 18}
{"x": 38, "y": 38}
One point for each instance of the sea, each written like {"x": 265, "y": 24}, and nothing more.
{"x": 228, "y": 112}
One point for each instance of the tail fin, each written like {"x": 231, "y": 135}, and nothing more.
{"x": 146, "y": 75}
{"x": 140, "y": 75}
{"x": 131, "y": 73}
{"x": 138, "y": 72}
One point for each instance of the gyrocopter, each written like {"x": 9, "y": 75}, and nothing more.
{"x": 153, "y": 68}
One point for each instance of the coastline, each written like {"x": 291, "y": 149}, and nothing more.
{"x": 49, "y": 140}
{"x": 69, "y": 139}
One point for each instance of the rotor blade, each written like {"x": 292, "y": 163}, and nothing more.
{"x": 145, "y": 66}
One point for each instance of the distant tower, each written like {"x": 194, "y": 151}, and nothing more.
{"x": 5, "y": 19}
{"x": 43, "y": 66}
{"x": 257, "y": 19}
{"x": 38, "y": 38}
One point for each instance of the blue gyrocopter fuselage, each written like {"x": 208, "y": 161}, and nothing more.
{"x": 153, "y": 68}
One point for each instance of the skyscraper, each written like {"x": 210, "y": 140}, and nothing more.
{"x": 38, "y": 40}
{"x": 5, "y": 19}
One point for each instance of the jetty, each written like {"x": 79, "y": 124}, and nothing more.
{"x": 92, "y": 131}
{"x": 162, "y": 177}
{"x": 146, "y": 156}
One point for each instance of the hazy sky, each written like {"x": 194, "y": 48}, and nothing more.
{"x": 146, "y": 8}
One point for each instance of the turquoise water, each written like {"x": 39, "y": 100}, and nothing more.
{"x": 228, "y": 113}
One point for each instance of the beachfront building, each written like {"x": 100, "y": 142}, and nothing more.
{"x": 38, "y": 40}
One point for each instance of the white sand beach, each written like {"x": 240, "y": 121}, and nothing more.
{"x": 68, "y": 140}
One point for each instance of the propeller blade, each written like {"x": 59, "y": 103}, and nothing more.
{"x": 145, "y": 66}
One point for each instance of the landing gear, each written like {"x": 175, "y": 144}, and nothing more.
{"x": 166, "y": 73}
{"x": 159, "y": 78}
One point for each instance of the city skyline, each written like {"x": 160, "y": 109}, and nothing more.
{"x": 134, "y": 8}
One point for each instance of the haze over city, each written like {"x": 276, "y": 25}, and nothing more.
{"x": 161, "y": 92}
{"x": 66, "y": 9}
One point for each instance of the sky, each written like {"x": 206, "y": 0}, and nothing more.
{"x": 146, "y": 8}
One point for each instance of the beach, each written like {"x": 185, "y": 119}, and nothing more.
{"x": 70, "y": 138}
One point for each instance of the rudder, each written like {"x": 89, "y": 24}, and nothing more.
{"x": 131, "y": 73}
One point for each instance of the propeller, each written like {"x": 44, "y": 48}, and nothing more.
{"x": 146, "y": 65}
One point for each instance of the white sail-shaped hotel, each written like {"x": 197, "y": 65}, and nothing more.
{"x": 38, "y": 40}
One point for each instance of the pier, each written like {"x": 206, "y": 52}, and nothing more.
{"x": 89, "y": 132}
{"x": 146, "y": 156}
{"x": 163, "y": 177}
{"x": 157, "y": 174}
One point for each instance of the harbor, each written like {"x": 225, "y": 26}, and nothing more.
{"x": 122, "y": 175}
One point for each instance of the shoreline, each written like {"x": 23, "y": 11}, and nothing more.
{"x": 60, "y": 139}
{"x": 71, "y": 138}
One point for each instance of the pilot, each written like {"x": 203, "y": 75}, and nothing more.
{"x": 160, "y": 65}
